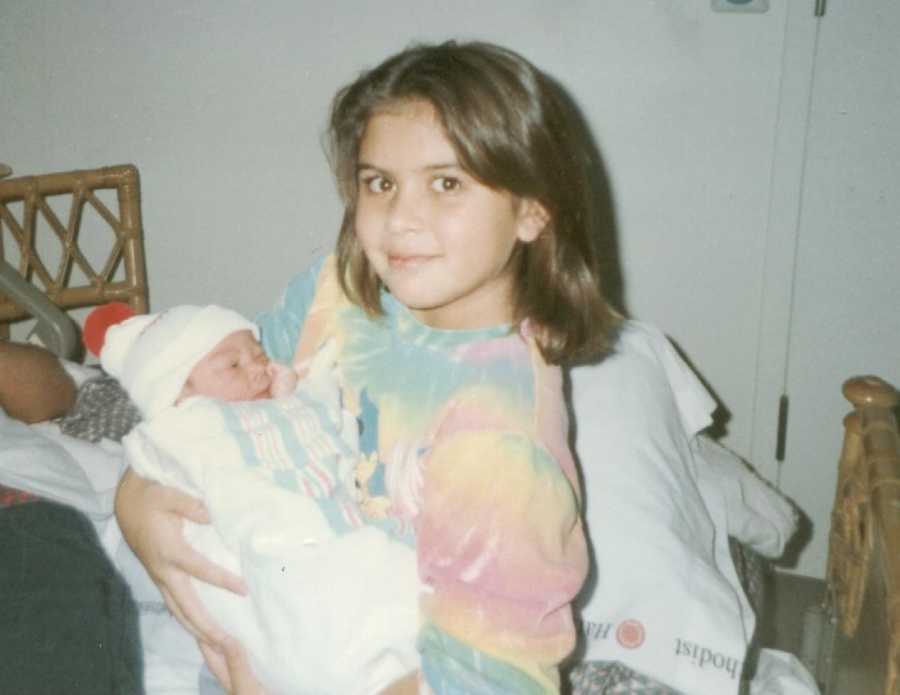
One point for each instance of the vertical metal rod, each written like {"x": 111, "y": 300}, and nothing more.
{"x": 820, "y": 8}
{"x": 781, "y": 437}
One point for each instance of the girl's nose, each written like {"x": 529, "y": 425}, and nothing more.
{"x": 405, "y": 212}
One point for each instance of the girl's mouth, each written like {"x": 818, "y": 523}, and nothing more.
{"x": 407, "y": 261}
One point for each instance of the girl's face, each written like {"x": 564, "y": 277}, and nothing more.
{"x": 438, "y": 239}
{"x": 234, "y": 370}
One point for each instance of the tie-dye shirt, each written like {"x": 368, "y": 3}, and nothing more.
{"x": 469, "y": 432}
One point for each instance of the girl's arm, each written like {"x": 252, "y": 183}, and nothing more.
{"x": 408, "y": 685}
{"x": 230, "y": 666}
{"x": 151, "y": 516}
{"x": 280, "y": 328}
{"x": 501, "y": 543}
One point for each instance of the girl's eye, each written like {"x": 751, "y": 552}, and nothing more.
{"x": 377, "y": 184}
{"x": 446, "y": 184}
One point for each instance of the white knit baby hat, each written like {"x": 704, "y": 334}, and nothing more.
{"x": 152, "y": 355}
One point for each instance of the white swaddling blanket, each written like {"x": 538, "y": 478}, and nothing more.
{"x": 332, "y": 606}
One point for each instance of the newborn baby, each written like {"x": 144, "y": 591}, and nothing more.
{"x": 332, "y": 605}
{"x": 237, "y": 369}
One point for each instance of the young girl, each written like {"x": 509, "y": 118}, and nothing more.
{"x": 465, "y": 271}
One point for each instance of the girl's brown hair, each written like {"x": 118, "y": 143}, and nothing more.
{"x": 512, "y": 129}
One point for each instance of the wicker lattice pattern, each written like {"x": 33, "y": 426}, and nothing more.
{"x": 94, "y": 285}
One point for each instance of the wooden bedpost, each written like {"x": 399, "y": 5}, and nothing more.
{"x": 864, "y": 550}
{"x": 851, "y": 526}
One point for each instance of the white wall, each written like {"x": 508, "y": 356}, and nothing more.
{"x": 222, "y": 105}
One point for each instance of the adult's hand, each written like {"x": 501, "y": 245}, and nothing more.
{"x": 151, "y": 517}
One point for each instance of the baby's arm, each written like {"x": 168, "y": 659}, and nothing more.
{"x": 284, "y": 379}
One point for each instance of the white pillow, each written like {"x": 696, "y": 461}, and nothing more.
{"x": 756, "y": 513}
{"x": 38, "y": 459}
{"x": 658, "y": 602}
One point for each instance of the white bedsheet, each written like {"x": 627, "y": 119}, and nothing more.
{"x": 41, "y": 460}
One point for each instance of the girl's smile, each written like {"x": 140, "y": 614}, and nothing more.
{"x": 439, "y": 239}
{"x": 407, "y": 261}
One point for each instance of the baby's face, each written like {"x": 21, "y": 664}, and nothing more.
{"x": 234, "y": 370}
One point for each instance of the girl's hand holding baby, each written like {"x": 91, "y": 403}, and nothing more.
{"x": 232, "y": 668}
{"x": 151, "y": 518}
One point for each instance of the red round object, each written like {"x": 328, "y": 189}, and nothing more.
{"x": 99, "y": 320}
{"x": 630, "y": 634}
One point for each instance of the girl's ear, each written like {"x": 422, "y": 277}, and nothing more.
{"x": 533, "y": 219}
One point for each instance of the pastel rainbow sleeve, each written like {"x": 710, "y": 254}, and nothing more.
{"x": 501, "y": 545}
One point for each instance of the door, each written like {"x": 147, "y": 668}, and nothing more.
{"x": 842, "y": 301}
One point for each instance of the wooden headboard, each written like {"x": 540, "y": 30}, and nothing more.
{"x": 46, "y": 252}
{"x": 863, "y": 575}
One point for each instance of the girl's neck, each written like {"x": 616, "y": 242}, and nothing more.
{"x": 463, "y": 329}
